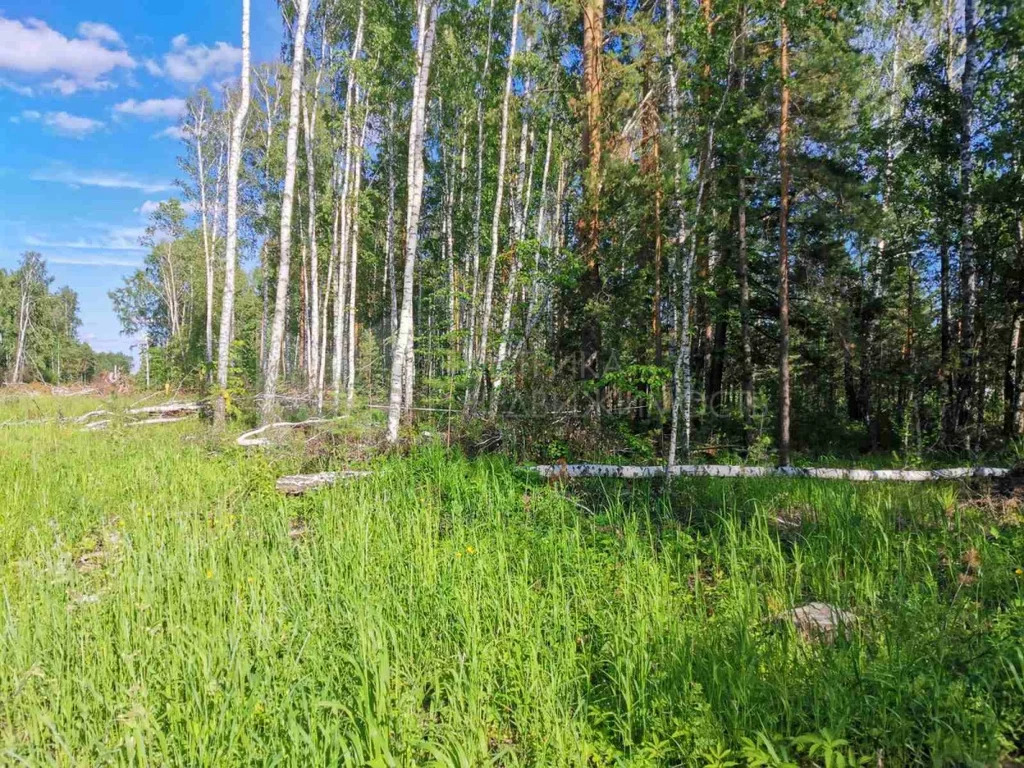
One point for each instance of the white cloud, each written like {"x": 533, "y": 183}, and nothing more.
{"x": 153, "y": 68}
{"x": 102, "y": 179}
{"x": 175, "y": 132}
{"x": 21, "y": 90}
{"x": 151, "y": 109}
{"x": 114, "y": 238}
{"x": 32, "y": 47}
{"x": 63, "y": 123}
{"x": 94, "y": 261}
{"x": 192, "y": 63}
{"x": 66, "y": 86}
{"x": 104, "y": 33}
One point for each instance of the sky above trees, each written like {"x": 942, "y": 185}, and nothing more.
{"x": 90, "y": 96}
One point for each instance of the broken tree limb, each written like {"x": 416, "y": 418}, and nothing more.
{"x": 167, "y": 409}
{"x": 157, "y": 420}
{"x": 725, "y": 470}
{"x": 103, "y": 424}
{"x": 295, "y": 485}
{"x": 250, "y": 439}
{"x": 90, "y": 415}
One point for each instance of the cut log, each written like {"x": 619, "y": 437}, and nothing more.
{"x": 167, "y": 409}
{"x": 157, "y": 420}
{"x": 250, "y": 439}
{"x": 568, "y": 471}
{"x": 295, "y": 485}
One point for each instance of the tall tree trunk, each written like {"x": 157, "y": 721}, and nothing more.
{"x": 198, "y": 131}
{"x": 346, "y": 217}
{"x": 402, "y": 364}
{"x": 968, "y": 269}
{"x": 231, "y": 242}
{"x": 287, "y": 202}
{"x": 742, "y": 260}
{"x": 354, "y": 263}
{"x": 478, "y": 203}
{"x": 389, "y": 246}
{"x": 521, "y": 211}
{"x": 784, "y": 395}
{"x": 485, "y": 323}
{"x": 593, "y": 46}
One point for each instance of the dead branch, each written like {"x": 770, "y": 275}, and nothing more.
{"x": 296, "y": 485}
{"x": 249, "y": 439}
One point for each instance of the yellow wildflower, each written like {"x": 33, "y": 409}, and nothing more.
{"x": 209, "y": 573}
{"x": 470, "y": 551}
{"x": 458, "y": 555}
{"x": 1019, "y": 572}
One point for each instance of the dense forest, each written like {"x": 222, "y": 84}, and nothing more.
{"x": 39, "y": 330}
{"x": 728, "y": 223}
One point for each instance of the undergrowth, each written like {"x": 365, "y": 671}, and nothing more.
{"x": 160, "y": 604}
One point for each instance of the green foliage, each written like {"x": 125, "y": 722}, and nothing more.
{"x": 456, "y": 611}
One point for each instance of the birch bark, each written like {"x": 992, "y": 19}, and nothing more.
{"x": 287, "y": 202}
{"x": 231, "y": 241}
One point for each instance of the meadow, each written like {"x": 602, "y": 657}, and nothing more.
{"x": 161, "y": 604}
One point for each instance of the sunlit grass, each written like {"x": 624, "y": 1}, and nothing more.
{"x": 160, "y": 604}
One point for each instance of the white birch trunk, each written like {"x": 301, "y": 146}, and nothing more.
{"x": 401, "y": 367}
{"x": 485, "y": 323}
{"x": 231, "y": 241}
{"x": 520, "y": 210}
{"x": 358, "y": 183}
{"x": 343, "y": 242}
{"x": 287, "y": 202}
{"x": 478, "y": 204}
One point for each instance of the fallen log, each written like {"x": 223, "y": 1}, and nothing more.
{"x": 296, "y": 485}
{"x": 724, "y": 470}
{"x": 90, "y": 415}
{"x": 249, "y": 439}
{"x": 167, "y": 409}
{"x": 156, "y": 420}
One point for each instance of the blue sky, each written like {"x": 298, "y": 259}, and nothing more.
{"x": 89, "y": 95}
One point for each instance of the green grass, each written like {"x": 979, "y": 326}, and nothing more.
{"x": 160, "y": 604}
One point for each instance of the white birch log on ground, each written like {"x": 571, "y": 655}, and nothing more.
{"x": 157, "y": 420}
{"x": 90, "y": 415}
{"x": 250, "y": 439}
{"x": 725, "y": 470}
{"x": 167, "y": 409}
{"x": 295, "y": 485}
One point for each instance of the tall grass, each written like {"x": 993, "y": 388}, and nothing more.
{"x": 161, "y": 605}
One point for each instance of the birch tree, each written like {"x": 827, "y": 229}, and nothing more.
{"x": 287, "y": 202}
{"x": 231, "y": 239}
{"x": 402, "y": 364}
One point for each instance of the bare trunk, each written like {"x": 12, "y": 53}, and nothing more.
{"x": 478, "y": 205}
{"x": 231, "y": 241}
{"x": 593, "y": 45}
{"x": 402, "y": 369}
{"x": 485, "y": 323}
{"x": 389, "y": 246}
{"x": 968, "y": 269}
{"x": 287, "y": 202}
{"x": 354, "y": 262}
{"x": 521, "y": 208}
{"x": 784, "y": 395}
